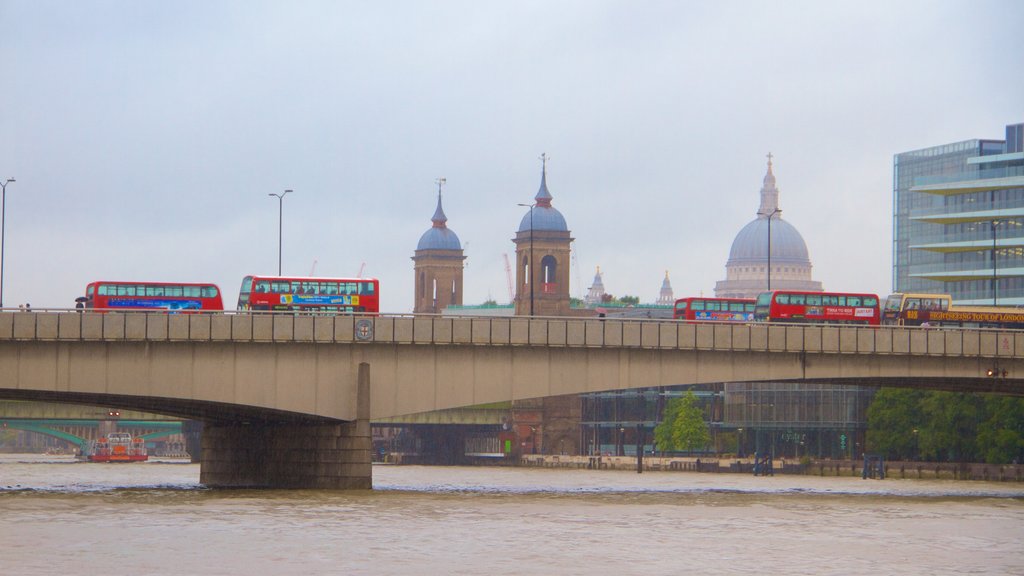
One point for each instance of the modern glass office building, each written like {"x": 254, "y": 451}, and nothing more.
{"x": 958, "y": 220}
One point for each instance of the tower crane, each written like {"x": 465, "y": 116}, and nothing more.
{"x": 508, "y": 278}
{"x": 312, "y": 270}
{"x": 361, "y": 268}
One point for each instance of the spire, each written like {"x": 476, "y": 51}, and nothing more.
{"x": 543, "y": 197}
{"x": 439, "y": 218}
{"x": 665, "y": 295}
{"x": 769, "y": 194}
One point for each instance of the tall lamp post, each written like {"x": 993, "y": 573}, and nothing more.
{"x": 3, "y": 242}
{"x": 280, "y": 213}
{"x": 995, "y": 277}
{"x": 532, "y": 276}
{"x": 770, "y": 215}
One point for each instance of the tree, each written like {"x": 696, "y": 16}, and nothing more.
{"x": 1001, "y": 436}
{"x": 682, "y": 426}
{"x": 946, "y": 426}
{"x": 895, "y": 421}
{"x": 634, "y": 300}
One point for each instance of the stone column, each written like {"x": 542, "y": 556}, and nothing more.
{"x": 263, "y": 454}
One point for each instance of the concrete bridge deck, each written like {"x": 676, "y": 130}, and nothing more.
{"x": 281, "y": 370}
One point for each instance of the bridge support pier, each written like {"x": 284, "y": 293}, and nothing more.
{"x": 291, "y": 455}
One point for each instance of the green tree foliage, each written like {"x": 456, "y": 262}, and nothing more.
{"x": 894, "y": 423}
{"x": 634, "y": 300}
{"x": 682, "y": 426}
{"x": 946, "y": 426}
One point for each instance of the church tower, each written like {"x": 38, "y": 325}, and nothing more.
{"x": 665, "y": 296}
{"x": 595, "y": 295}
{"x": 438, "y": 265}
{"x": 542, "y": 257}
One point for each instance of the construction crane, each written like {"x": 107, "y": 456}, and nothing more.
{"x": 312, "y": 270}
{"x": 508, "y": 278}
{"x": 361, "y": 268}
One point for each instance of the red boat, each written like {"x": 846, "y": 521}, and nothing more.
{"x": 117, "y": 447}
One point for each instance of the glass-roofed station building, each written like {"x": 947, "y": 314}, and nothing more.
{"x": 958, "y": 220}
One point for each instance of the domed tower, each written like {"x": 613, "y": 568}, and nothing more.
{"x": 542, "y": 238}
{"x": 438, "y": 267}
{"x": 747, "y": 270}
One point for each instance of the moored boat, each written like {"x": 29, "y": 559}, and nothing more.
{"x": 116, "y": 447}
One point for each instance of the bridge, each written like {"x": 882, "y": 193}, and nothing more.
{"x": 287, "y": 400}
{"x": 77, "y": 424}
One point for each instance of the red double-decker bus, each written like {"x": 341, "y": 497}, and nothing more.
{"x": 714, "y": 309}
{"x": 169, "y": 296}
{"x": 312, "y": 295}
{"x": 817, "y": 307}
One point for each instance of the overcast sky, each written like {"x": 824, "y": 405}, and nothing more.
{"x": 145, "y": 137}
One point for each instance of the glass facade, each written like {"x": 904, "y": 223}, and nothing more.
{"x": 958, "y": 220}
{"x": 784, "y": 420}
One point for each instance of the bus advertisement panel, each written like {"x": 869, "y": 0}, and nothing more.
{"x": 817, "y": 307}
{"x": 169, "y": 296}
{"x": 714, "y": 309}
{"x": 939, "y": 310}
{"x": 325, "y": 295}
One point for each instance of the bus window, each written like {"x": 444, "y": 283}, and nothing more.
{"x": 853, "y": 300}
{"x": 369, "y": 288}
{"x": 697, "y": 305}
{"x": 796, "y": 299}
{"x": 174, "y": 291}
{"x": 332, "y": 288}
{"x": 712, "y": 306}
{"x": 737, "y": 307}
{"x": 813, "y": 300}
{"x": 782, "y": 299}
{"x": 872, "y": 302}
{"x": 912, "y": 304}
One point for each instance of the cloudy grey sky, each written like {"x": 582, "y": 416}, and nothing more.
{"x": 145, "y": 137}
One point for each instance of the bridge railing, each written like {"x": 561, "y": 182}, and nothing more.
{"x": 507, "y": 331}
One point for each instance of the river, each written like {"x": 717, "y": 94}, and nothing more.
{"x": 63, "y": 517}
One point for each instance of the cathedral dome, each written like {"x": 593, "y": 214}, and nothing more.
{"x": 751, "y": 243}
{"x": 542, "y": 216}
{"x": 439, "y": 236}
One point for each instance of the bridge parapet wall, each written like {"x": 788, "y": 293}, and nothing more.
{"x": 534, "y": 332}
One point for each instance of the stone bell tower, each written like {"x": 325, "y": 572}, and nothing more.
{"x": 438, "y": 265}
{"x": 542, "y": 257}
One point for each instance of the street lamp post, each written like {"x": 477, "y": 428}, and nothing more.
{"x": 3, "y": 242}
{"x": 995, "y": 277}
{"x": 532, "y": 276}
{"x": 770, "y": 215}
{"x": 280, "y": 214}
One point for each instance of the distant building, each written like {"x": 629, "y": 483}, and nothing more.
{"x": 438, "y": 265}
{"x": 665, "y": 296}
{"x": 596, "y": 292}
{"x": 746, "y": 271}
{"x": 958, "y": 220}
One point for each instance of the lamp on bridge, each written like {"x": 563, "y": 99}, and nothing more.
{"x": 770, "y": 215}
{"x": 280, "y": 212}
{"x": 995, "y": 277}
{"x": 530, "y": 276}
{"x": 3, "y": 243}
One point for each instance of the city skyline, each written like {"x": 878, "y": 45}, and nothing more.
{"x": 145, "y": 139}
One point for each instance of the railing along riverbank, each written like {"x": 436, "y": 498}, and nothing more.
{"x": 839, "y": 468}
